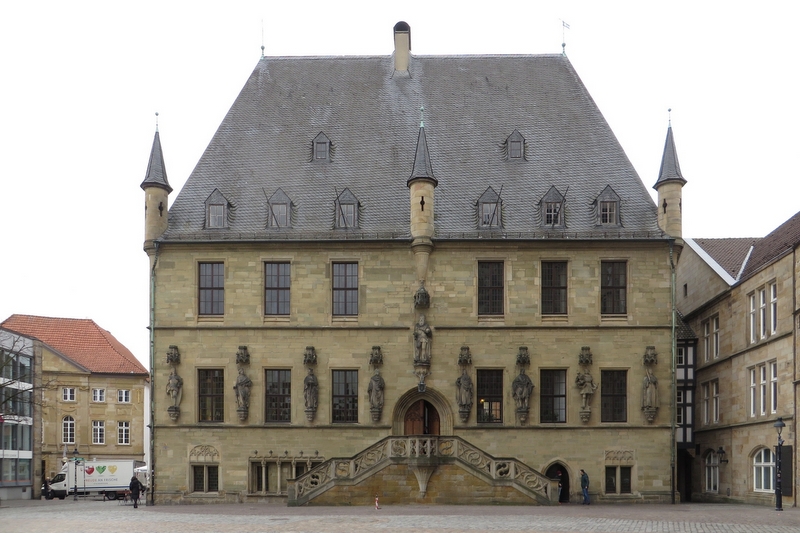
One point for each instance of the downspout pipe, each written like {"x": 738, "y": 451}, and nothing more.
{"x": 151, "y": 463}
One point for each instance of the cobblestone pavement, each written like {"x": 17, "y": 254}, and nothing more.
{"x": 89, "y": 516}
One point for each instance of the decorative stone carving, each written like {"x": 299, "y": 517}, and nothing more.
{"x": 421, "y": 373}
{"x": 422, "y": 342}
{"x": 242, "y": 356}
{"x": 422, "y": 300}
{"x": 375, "y": 391}
{"x": 242, "y": 388}
{"x": 464, "y": 391}
{"x": 310, "y": 356}
{"x": 521, "y": 388}
{"x": 175, "y": 392}
{"x": 311, "y": 394}
{"x": 585, "y": 357}
{"x": 650, "y": 356}
{"x": 376, "y": 357}
{"x": 173, "y": 355}
{"x": 523, "y": 357}
{"x": 649, "y": 395}
{"x": 464, "y": 357}
{"x": 203, "y": 454}
{"x": 586, "y": 388}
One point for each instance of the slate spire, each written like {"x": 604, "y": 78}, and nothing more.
{"x": 156, "y": 170}
{"x": 422, "y": 162}
{"x": 670, "y": 168}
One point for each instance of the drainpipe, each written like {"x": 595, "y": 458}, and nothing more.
{"x": 151, "y": 463}
{"x": 673, "y": 400}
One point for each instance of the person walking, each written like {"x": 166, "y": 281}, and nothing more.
{"x": 135, "y": 487}
{"x": 585, "y": 486}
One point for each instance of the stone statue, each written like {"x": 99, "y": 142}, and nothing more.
{"x": 522, "y": 387}
{"x": 422, "y": 341}
{"x": 649, "y": 390}
{"x": 464, "y": 391}
{"x": 242, "y": 388}
{"x": 587, "y": 387}
{"x": 311, "y": 390}
{"x": 375, "y": 390}
{"x": 175, "y": 387}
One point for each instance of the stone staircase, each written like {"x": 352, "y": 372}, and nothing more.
{"x": 377, "y": 469}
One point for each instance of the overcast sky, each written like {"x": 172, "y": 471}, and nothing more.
{"x": 81, "y": 82}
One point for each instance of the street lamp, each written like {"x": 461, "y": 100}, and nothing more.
{"x": 779, "y": 425}
{"x": 75, "y": 458}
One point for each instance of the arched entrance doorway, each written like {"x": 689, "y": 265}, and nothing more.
{"x": 421, "y": 418}
{"x": 559, "y": 471}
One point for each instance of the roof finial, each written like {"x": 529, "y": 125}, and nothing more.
{"x": 156, "y": 120}
{"x": 422, "y": 117}
{"x": 564, "y": 26}
{"x": 669, "y": 120}
{"x": 262, "y": 38}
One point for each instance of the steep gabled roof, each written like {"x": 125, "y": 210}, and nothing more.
{"x": 80, "y": 340}
{"x": 670, "y": 168}
{"x": 728, "y": 254}
{"x": 472, "y": 104}
{"x": 775, "y": 245}
{"x": 156, "y": 175}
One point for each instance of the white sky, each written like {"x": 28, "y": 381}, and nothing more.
{"x": 80, "y": 83}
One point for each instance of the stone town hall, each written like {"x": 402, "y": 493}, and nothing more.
{"x": 437, "y": 279}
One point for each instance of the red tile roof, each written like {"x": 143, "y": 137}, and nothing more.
{"x": 730, "y": 254}
{"x": 780, "y": 242}
{"x": 81, "y": 340}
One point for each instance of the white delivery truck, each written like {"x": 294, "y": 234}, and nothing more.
{"x": 110, "y": 477}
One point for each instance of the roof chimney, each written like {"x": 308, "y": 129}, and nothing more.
{"x": 402, "y": 45}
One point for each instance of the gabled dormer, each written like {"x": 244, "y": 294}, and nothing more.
{"x": 489, "y": 210}
{"x": 514, "y": 147}
{"x": 218, "y": 211}
{"x": 321, "y": 149}
{"x": 607, "y": 208}
{"x": 280, "y": 210}
{"x": 551, "y": 209}
{"x": 346, "y": 211}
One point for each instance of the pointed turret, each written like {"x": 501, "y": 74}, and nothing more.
{"x": 670, "y": 189}
{"x": 421, "y": 185}
{"x": 156, "y": 189}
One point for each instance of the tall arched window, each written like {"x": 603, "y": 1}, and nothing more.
{"x": 68, "y": 430}
{"x": 763, "y": 470}
{"x": 712, "y": 472}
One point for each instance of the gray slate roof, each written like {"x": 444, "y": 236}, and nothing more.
{"x": 371, "y": 115}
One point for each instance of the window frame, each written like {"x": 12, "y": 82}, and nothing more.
{"x": 490, "y": 214}
{"x": 277, "y": 288}
{"x": 613, "y": 288}
{"x": 211, "y": 288}
{"x": 491, "y": 288}
{"x": 216, "y": 216}
{"x": 555, "y": 286}
{"x": 98, "y": 395}
{"x": 707, "y": 340}
{"x": 553, "y": 395}
{"x": 715, "y": 400}
{"x": 123, "y": 396}
{"x": 344, "y": 396}
{"x": 711, "y": 465}
{"x": 715, "y": 336}
{"x": 608, "y": 213}
{"x": 68, "y": 430}
{"x": 764, "y": 470}
{"x": 210, "y": 395}
{"x": 706, "y": 388}
{"x": 68, "y": 394}
{"x": 773, "y": 371}
{"x": 277, "y": 395}
{"x": 98, "y": 432}
{"x": 613, "y": 396}
{"x": 753, "y": 318}
{"x": 210, "y": 484}
{"x": 489, "y": 393}
{"x": 615, "y": 479}
{"x": 123, "y": 432}
{"x": 344, "y": 288}
{"x": 773, "y": 308}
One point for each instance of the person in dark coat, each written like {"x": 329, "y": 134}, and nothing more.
{"x": 135, "y": 487}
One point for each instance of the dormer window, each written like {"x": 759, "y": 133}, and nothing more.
{"x": 321, "y": 149}
{"x": 607, "y": 206}
{"x": 608, "y": 213}
{"x": 514, "y": 147}
{"x": 346, "y": 205}
{"x": 216, "y": 216}
{"x": 219, "y": 211}
{"x": 551, "y": 209}
{"x": 279, "y": 210}
{"x": 490, "y": 209}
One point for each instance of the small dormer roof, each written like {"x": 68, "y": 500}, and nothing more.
{"x": 156, "y": 170}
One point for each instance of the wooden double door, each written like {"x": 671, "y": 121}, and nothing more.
{"x": 421, "y": 418}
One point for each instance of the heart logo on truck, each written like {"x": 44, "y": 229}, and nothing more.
{"x": 101, "y": 469}
{"x": 112, "y": 469}
{"x": 89, "y": 470}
